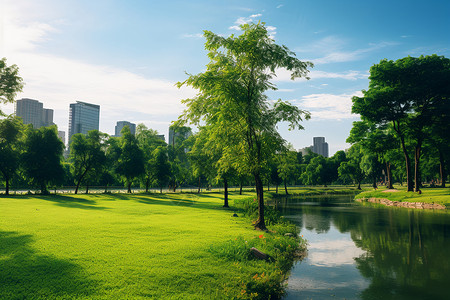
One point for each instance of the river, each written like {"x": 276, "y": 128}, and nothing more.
{"x": 360, "y": 251}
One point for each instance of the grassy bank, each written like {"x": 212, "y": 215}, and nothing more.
{"x": 312, "y": 191}
{"x": 170, "y": 246}
{"x": 428, "y": 195}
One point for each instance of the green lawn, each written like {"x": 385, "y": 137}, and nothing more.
{"x": 428, "y": 195}
{"x": 169, "y": 246}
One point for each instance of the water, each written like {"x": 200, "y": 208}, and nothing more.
{"x": 363, "y": 252}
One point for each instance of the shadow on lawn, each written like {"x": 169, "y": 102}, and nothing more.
{"x": 27, "y": 274}
{"x": 70, "y": 201}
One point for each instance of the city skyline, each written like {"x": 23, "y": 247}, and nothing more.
{"x": 127, "y": 57}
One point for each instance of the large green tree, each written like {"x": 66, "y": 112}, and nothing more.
{"x": 10, "y": 82}
{"x": 231, "y": 99}
{"x": 130, "y": 159}
{"x": 42, "y": 156}
{"x": 87, "y": 153}
{"x": 407, "y": 93}
{"x": 10, "y": 150}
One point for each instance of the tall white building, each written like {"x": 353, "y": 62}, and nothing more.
{"x": 33, "y": 112}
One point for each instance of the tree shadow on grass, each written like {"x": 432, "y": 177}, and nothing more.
{"x": 25, "y": 274}
{"x": 69, "y": 201}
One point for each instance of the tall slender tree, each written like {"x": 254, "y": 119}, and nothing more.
{"x": 232, "y": 100}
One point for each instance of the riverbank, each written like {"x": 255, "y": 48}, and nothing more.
{"x": 313, "y": 191}
{"x": 430, "y": 198}
{"x": 169, "y": 246}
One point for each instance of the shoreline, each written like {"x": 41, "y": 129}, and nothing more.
{"x": 415, "y": 205}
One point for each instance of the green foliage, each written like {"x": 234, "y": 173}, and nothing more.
{"x": 42, "y": 156}
{"x": 11, "y": 130}
{"x": 10, "y": 83}
{"x": 87, "y": 152}
{"x": 232, "y": 104}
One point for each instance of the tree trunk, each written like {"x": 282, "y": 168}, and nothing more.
{"x": 87, "y": 188}
{"x": 374, "y": 181}
{"x": 285, "y": 188}
{"x": 6, "y": 185}
{"x": 268, "y": 186}
{"x": 129, "y": 187}
{"x": 359, "y": 185}
{"x": 442, "y": 168}
{"x": 389, "y": 175}
{"x": 240, "y": 189}
{"x": 199, "y": 182}
{"x": 78, "y": 185}
{"x": 44, "y": 188}
{"x": 225, "y": 192}
{"x": 260, "y": 223}
{"x": 408, "y": 166}
{"x": 106, "y": 188}
{"x": 147, "y": 183}
{"x": 276, "y": 188}
{"x": 160, "y": 189}
{"x": 417, "y": 153}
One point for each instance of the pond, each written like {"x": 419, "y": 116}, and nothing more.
{"x": 360, "y": 251}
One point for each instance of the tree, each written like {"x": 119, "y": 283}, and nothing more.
{"x": 130, "y": 161}
{"x": 231, "y": 100}
{"x": 148, "y": 142}
{"x": 407, "y": 93}
{"x": 160, "y": 167}
{"x": 88, "y": 155}
{"x": 10, "y": 134}
{"x": 287, "y": 166}
{"x": 42, "y": 156}
{"x": 10, "y": 83}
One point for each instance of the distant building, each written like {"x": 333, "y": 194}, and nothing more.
{"x": 121, "y": 124}
{"x": 33, "y": 112}
{"x": 320, "y": 146}
{"x": 306, "y": 150}
{"x": 62, "y": 136}
{"x": 83, "y": 117}
{"x": 161, "y": 137}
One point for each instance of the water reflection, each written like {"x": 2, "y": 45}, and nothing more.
{"x": 362, "y": 252}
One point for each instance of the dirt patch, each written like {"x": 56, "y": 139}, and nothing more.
{"x": 390, "y": 191}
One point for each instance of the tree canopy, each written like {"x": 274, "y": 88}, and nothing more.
{"x": 231, "y": 99}
{"x": 10, "y": 82}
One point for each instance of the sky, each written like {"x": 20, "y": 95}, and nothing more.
{"x": 127, "y": 55}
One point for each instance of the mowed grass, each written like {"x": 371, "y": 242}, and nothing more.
{"x": 428, "y": 195}
{"x": 121, "y": 247}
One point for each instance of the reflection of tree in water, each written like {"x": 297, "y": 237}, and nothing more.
{"x": 407, "y": 252}
{"x": 23, "y": 272}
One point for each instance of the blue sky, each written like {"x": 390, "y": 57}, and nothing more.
{"x": 126, "y": 56}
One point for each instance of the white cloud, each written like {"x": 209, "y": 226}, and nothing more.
{"x": 244, "y": 20}
{"x": 195, "y": 35}
{"x": 331, "y": 50}
{"x": 58, "y": 81}
{"x": 283, "y": 75}
{"x": 328, "y": 106}
{"x": 280, "y": 6}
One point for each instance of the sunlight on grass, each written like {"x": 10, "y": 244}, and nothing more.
{"x": 124, "y": 246}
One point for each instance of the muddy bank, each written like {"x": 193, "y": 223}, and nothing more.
{"x": 417, "y": 205}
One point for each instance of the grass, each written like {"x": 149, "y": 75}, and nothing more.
{"x": 428, "y": 195}
{"x": 312, "y": 191}
{"x": 169, "y": 246}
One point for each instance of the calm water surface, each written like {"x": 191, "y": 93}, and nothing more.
{"x": 366, "y": 252}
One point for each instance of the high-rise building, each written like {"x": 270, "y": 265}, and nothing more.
{"x": 83, "y": 117}
{"x": 320, "y": 146}
{"x": 33, "y": 112}
{"x": 121, "y": 124}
